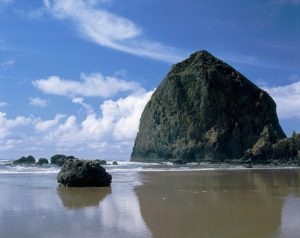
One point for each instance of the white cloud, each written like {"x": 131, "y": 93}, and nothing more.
{"x": 3, "y": 104}
{"x": 8, "y": 144}
{"x": 109, "y": 30}
{"x": 7, "y": 124}
{"x": 125, "y": 114}
{"x": 86, "y": 106}
{"x": 287, "y": 99}
{"x": 38, "y": 102}
{"x": 8, "y": 63}
{"x": 92, "y": 85}
{"x": 48, "y": 124}
{"x": 119, "y": 121}
{"x": 110, "y": 129}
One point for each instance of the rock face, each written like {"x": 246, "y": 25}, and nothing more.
{"x": 25, "y": 160}
{"x": 83, "y": 173}
{"x": 204, "y": 110}
{"x": 283, "y": 152}
{"x": 42, "y": 161}
{"x": 60, "y": 159}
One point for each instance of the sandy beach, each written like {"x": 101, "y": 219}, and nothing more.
{"x": 209, "y": 203}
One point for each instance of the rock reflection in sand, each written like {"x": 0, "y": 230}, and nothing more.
{"x": 75, "y": 198}
{"x": 221, "y": 203}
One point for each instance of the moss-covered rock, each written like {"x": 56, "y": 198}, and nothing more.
{"x": 204, "y": 110}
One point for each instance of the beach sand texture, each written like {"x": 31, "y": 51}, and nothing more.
{"x": 215, "y": 203}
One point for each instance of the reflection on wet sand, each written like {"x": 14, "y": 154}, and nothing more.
{"x": 75, "y": 198}
{"x": 217, "y": 203}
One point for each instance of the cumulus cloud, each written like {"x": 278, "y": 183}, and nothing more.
{"x": 91, "y": 85}
{"x": 287, "y": 98}
{"x": 8, "y": 144}
{"x": 109, "y": 30}
{"x": 7, "y": 124}
{"x": 125, "y": 114}
{"x": 41, "y": 125}
{"x": 110, "y": 128}
{"x": 81, "y": 102}
{"x": 118, "y": 121}
{"x": 38, "y": 102}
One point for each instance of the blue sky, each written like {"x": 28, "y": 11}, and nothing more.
{"x": 75, "y": 75}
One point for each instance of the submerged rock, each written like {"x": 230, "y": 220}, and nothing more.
{"x": 60, "y": 159}
{"x": 42, "y": 161}
{"x": 205, "y": 110}
{"x": 25, "y": 160}
{"x": 83, "y": 173}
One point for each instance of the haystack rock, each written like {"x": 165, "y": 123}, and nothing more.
{"x": 204, "y": 110}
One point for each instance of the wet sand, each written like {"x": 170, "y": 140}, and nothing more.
{"x": 223, "y": 203}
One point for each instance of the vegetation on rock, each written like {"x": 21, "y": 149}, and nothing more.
{"x": 205, "y": 110}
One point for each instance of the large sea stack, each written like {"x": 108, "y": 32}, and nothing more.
{"x": 205, "y": 110}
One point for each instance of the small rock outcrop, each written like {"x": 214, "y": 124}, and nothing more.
{"x": 178, "y": 161}
{"x": 83, "y": 173}
{"x": 283, "y": 152}
{"x": 102, "y": 162}
{"x": 205, "y": 110}
{"x": 42, "y": 161}
{"x": 114, "y": 163}
{"x": 25, "y": 160}
{"x": 60, "y": 159}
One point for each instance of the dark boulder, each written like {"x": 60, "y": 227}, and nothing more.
{"x": 102, "y": 162}
{"x": 25, "y": 160}
{"x": 204, "y": 110}
{"x": 60, "y": 159}
{"x": 83, "y": 173}
{"x": 42, "y": 161}
{"x": 115, "y": 163}
{"x": 178, "y": 161}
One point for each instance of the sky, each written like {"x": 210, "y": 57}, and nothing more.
{"x": 75, "y": 75}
